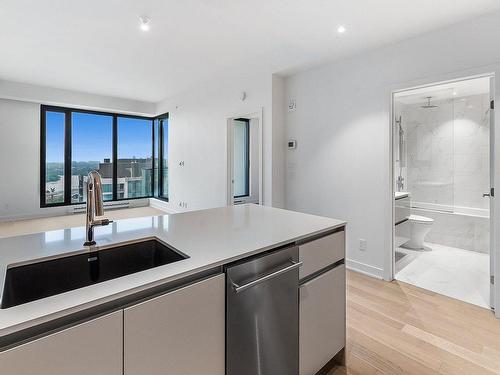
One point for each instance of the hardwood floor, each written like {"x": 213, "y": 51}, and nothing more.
{"x": 396, "y": 328}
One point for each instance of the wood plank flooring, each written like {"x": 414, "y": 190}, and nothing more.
{"x": 395, "y": 328}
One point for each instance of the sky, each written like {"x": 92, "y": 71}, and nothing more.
{"x": 92, "y": 137}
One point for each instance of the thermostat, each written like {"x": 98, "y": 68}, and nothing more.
{"x": 292, "y": 144}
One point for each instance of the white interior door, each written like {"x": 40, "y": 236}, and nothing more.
{"x": 493, "y": 226}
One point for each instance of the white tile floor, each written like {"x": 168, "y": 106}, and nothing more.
{"x": 456, "y": 273}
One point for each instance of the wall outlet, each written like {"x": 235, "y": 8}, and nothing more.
{"x": 363, "y": 245}
{"x": 292, "y": 105}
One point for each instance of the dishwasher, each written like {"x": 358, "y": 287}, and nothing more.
{"x": 262, "y": 314}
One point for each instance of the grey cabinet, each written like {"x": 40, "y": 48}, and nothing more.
{"x": 322, "y": 320}
{"x": 181, "y": 332}
{"x": 93, "y": 347}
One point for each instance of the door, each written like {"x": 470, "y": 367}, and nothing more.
{"x": 181, "y": 332}
{"x": 492, "y": 193}
{"x": 322, "y": 320}
{"x": 93, "y": 347}
{"x": 262, "y": 315}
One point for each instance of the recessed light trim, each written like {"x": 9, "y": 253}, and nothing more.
{"x": 341, "y": 29}
{"x": 144, "y": 23}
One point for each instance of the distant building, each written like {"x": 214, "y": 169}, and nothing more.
{"x": 134, "y": 180}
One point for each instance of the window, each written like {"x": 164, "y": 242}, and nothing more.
{"x": 120, "y": 147}
{"x": 91, "y": 149}
{"x": 241, "y": 158}
{"x": 53, "y": 162}
{"x": 135, "y": 157}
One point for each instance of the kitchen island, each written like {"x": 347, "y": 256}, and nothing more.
{"x": 174, "y": 313}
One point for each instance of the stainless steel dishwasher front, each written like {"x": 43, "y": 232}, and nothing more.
{"x": 262, "y": 312}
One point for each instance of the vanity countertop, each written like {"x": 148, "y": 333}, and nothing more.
{"x": 401, "y": 194}
{"x": 210, "y": 238}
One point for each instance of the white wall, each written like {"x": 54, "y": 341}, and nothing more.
{"x": 254, "y": 160}
{"x": 341, "y": 167}
{"x": 20, "y": 156}
{"x": 20, "y": 140}
{"x": 66, "y": 98}
{"x": 197, "y": 136}
{"x": 279, "y": 141}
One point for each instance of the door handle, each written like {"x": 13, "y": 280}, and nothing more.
{"x": 486, "y": 195}
{"x": 240, "y": 288}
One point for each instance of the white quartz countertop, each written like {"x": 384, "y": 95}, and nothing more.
{"x": 210, "y": 238}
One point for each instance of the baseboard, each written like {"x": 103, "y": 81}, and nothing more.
{"x": 365, "y": 269}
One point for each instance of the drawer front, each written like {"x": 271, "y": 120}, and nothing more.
{"x": 401, "y": 209}
{"x": 322, "y": 320}
{"x": 322, "y": 252}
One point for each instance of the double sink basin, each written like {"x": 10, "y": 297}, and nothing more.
{"x": 30, "y": 282}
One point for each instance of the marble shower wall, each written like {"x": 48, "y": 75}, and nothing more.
{"x": 429, "y": 137}
{"x": 448, "y": 151}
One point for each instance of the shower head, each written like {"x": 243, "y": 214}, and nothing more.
{"x": 429, "y": 105}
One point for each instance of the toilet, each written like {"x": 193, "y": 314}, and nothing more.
{"x": 419, "y": 227}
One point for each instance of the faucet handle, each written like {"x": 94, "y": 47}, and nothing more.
{"x": 102, "y": 222}
{"x": 106, "y": 221}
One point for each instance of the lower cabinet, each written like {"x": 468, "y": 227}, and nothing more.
{"x": 321, "y": 320}
{"x": 181, "y": 332}
{"x": 93, "y": 347}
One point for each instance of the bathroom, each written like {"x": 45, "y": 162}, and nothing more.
{"x": 441, "y": 160}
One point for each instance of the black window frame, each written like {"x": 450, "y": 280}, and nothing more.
{"x": 247, "y": 158}
{"x": 160, "y": 143}
{"x": 68, "y": 152}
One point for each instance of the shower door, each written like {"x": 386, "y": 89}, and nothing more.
{"x": 427, "y": 120}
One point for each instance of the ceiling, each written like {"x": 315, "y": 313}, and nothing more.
{"x": 96, "y": 46}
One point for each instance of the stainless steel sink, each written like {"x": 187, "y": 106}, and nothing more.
{"x": 30, "y": 282}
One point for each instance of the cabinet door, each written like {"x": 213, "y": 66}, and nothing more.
{"x": 181, "y": 332}
{"x": 94, "y": 347}
{"x": 322, "y": 320}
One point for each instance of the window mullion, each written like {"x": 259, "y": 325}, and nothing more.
{"x": 153, "y": 155}
{"x": 160, "y": 158}
{"x": 115, "y": 157}
{"x": 67, "y": 157}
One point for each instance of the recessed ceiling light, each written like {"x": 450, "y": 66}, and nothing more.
{"x": 341, "y": 29}
{"x": 144, "y": 23}
{"x": 454, "y": 93}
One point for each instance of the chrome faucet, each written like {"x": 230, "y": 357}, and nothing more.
{"x": 400, "y": 184}
{"x": 95, "y": 207}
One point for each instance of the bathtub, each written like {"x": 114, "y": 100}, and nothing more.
{"x": 461, "y": 227}
{"x": 468, "y": 211}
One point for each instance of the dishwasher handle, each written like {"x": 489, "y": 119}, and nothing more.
{"x": 240, "y": 288}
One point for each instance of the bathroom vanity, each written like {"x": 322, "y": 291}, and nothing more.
{"x": 175, "y": 315}
{"x": 402, "y": 212}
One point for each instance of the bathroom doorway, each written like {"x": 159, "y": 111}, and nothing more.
{"x": 442, "y": 182}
